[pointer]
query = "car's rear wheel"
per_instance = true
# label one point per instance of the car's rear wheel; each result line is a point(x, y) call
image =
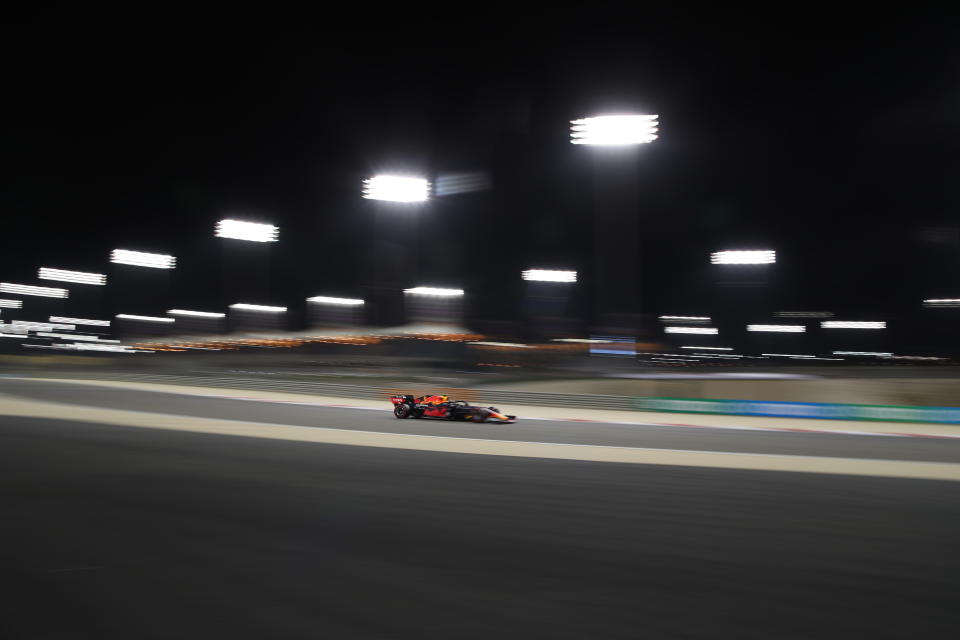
point(401, 411)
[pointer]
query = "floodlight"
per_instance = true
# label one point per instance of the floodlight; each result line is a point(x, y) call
point(40, 326)
point(720, 355)
point(549, 275)
point(73, 336)
point(95, 323)
point(257, 307)
point(515, 345)
point(434, 291)
point(28, 290)
point(127, 316)
point(879, 354)
point(777, 328)
point(685, 318)
point(251, 231)
point(743, 257)
point(347, 302)
point(396, 189)
point(702, 330)
point(11, 304)
point(199, 314)
point(787, 355)
point(78, 277)
point(844, 324)
point(711, 348)
point(942, 302)
point(141, 259)
point(803, 314)
point(614, 130)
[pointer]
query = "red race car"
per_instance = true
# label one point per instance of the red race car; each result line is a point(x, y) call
point(408, 406)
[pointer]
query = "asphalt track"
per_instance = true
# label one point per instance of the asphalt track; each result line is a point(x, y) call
point(587, 433)
point(149, 533)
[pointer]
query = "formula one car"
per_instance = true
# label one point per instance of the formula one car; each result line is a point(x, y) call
point(408, 406)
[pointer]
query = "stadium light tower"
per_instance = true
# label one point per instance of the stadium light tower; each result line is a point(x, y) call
point(245, 265)
point(434, 304)
point(616, 212)
point(389, 258)
point(546, 301)
point(334, 311)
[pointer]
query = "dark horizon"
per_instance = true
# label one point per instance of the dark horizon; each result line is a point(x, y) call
point(833, 143)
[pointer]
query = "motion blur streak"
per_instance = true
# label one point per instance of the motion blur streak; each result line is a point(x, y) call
point(701, 330)
point(42, 326)
point(396, 189)
point(198, 314)
point(250, 231)
point(777, 328)
point(490, 447)
point(78, 277)
point(242, 306)
point(30, 290)
point(86, 321)
point(434, 291)
point(11, 304)
point(862, 353)
point(128, 316)
point(73, 336)
point(803, 314)
point(115, 348)
point(840, 324)
point(142, 259)
point(550, 275)
point(614, 130)
point(455, 183)
point(709, 348)
point(743, 257)
point(339, 301)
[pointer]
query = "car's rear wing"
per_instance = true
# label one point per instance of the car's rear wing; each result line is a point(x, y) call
point(399, 399)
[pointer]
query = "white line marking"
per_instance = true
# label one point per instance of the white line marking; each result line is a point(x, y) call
point(478, 446)
point(202, 392)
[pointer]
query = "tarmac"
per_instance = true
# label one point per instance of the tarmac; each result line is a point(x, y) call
point(892, 429)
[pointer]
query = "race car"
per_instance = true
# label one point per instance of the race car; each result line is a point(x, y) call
point(438, 406)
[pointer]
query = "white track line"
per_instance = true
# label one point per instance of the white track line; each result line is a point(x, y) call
point(12, 406)
point(214, 392)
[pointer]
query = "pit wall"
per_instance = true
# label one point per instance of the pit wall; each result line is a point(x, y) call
point(823, 411)
point(908, 392)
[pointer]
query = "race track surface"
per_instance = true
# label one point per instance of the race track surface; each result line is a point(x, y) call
point(150, 533)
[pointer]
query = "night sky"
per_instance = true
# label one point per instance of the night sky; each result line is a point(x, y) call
point(832, 139)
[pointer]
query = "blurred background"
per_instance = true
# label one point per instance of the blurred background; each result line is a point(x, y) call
point(791, 208)
point(709, 257)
